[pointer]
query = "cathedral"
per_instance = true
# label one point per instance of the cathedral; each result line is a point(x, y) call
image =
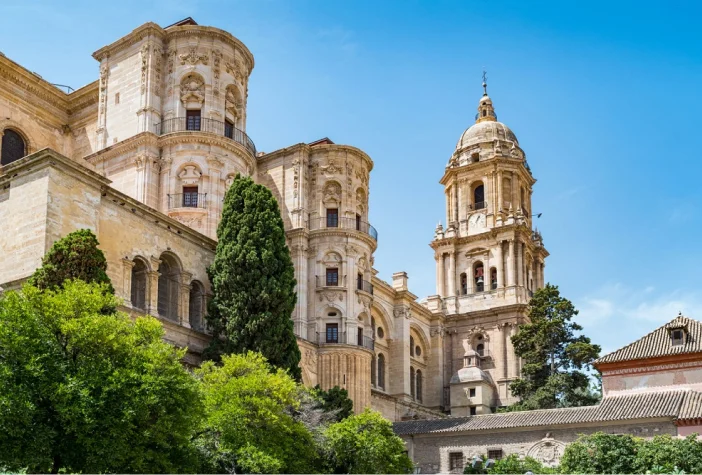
point(143, 156)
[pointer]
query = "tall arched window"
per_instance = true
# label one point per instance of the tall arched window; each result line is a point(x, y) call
point(197, 300)
point(381, 371)
point(412, 383)
point(493, 278)
point(479, 277)
point(373, 368)
point(419, 385)
point(138, 291)
point(479, 197)
point(13, 147)
point(464, 283)
point(480, 349)
point(168, 288)
point(411, 346)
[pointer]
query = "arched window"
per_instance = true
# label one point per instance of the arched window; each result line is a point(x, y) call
point(411, 346)
point(373, 368)
point(493, 278)
point(381, 371)
point(196, 305)
point(13, 147)
point(138, 291)
point(479, 197)
point(464, 283)
point(479, 277)
point(480, 349)
point(412, 383)
point(168, 288)
point(419, 385)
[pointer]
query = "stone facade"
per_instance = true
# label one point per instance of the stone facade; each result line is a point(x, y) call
point(143, 156)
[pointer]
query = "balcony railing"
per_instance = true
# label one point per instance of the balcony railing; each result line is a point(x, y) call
point(340, 338)
point(344, 223)
point(365, 286)
point(187, 200)
point(322, 281)
point(182, 124)
point(477, 205)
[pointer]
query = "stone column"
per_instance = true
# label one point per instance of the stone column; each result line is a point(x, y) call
point(500, 265)
point(440, 274)
point(455, 201)
point(184, 301)
point(499, 190)
point(516, 370)
point(152, 282)
point(452, 274)
point(520, 265)
point(448, 207)
point(511, 357)
point(510, 264)
point(460, 214)
point(126, 291)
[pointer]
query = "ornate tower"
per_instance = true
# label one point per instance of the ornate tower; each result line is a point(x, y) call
point(489, 261)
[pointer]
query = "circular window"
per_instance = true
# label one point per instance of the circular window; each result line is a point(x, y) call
point(418, 351)
point(381, 333)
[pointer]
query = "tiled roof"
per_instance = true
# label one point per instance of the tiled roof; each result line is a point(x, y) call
point(641, 405)
point(659, 343)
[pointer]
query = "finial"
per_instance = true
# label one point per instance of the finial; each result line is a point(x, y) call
point(484, 83)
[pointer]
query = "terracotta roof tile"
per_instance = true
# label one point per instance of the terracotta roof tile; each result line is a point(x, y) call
point(659, 343)
point(640, 405)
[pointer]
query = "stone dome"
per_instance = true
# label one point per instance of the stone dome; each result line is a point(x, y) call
point(486, 131)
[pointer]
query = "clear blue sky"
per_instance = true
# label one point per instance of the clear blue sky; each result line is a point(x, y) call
point(605, 98)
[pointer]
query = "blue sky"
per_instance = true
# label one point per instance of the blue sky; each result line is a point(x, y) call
point(603, 96)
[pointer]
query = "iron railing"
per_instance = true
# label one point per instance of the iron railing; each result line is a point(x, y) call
point(364, 285)
point(478, 205)
point(342, 338)
point(187, 200)
point(187, 124)
point(321, 281)
point(344, 223)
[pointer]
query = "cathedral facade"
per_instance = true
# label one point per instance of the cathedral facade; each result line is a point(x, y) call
point(143, 156)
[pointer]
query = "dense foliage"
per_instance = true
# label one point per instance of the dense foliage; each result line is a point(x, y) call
point(336, 401)
point(555, 358)
point(365, 443)
point(75, 256)
point(253, 280)
point(85, 391)
point(248, 421)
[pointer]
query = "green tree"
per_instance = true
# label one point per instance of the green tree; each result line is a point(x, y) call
point(601, 453)
point(75, 256)
point(253, 280)
point(555, 359)
point(85, 391)
point(514, 464)
point(365, 443)
point(249, 426)
point(666, 454)
point(336, 400)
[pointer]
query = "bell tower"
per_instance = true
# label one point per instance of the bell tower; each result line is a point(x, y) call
point(489, 259)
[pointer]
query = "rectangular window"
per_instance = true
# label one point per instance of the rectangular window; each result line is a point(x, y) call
point(473, 411)
point(495, 454)
point(332, 218)
point(358, 222)
point(359, 282)
point(471, 392)
point(192, 120)
point(228, 129)
point(190, 196)
point(456, 461)
point(678, 337)
point(332, 333)
point(332, 277)
point(360, 337)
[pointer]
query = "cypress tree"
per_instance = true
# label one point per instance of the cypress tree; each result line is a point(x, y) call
point(75, 256)
point(253, 280)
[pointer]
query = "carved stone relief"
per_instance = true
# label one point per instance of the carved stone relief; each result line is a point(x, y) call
point(192, 89)
point(192, 57)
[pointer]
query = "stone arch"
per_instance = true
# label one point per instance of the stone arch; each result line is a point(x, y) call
point(383, 320)
point(169, 282)
point(421, 339)
point(477, 193)
point(14, 144)
point(139, 292)
point(234, 105)
point(192, 90)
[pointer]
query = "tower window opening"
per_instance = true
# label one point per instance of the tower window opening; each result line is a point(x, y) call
point(228, 129)
point(493, 278)
point(479, 197)
point(464, 283)
point(480, 349)
point(192, 119)
point(332, 218)
point(332, 333)
point(478, 275)
point(332, 277)
point(190, 196)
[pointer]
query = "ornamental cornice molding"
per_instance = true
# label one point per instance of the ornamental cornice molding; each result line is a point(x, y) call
point(84, 97)
point(212, 33)
point(211, 139)
point(345, 232)
point(148, 139)
point(33, 84)
point(646, 369)
point(138, 34)
point(328, 148)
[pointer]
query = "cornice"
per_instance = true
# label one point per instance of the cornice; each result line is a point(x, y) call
point(84, 97)
point(509, 231)
point(283, 151)
point(208, 138)
point(130, 39)
point(497, 163)
point(321, 149)
point(372, 243)
point(33, 84)
point(212, 32)
point(127, 145)
point(643, 365)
